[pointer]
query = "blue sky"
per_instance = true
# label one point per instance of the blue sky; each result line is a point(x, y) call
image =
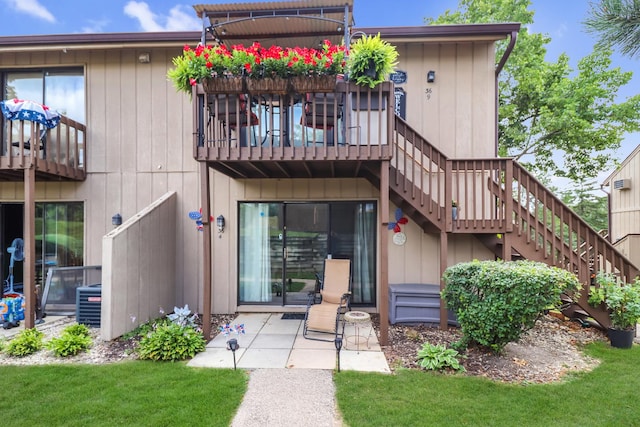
point(560, 19)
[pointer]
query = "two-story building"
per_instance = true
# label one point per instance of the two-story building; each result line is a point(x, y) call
point(294, 177)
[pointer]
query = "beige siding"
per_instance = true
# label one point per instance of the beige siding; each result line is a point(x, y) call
point(456, 113)
point(138, 269)
point(417, 261)
point(139, 146)
point(629, 246)
point(625, 203)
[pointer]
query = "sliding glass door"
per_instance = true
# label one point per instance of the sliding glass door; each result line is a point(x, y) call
point(282, 248)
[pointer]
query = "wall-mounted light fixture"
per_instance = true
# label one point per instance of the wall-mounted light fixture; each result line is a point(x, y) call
point(220, 223)
point(144, 58)
point(116, 220)
point(431, 76)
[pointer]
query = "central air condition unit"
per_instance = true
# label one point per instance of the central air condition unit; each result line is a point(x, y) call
point(88, 305)
point(622, 184)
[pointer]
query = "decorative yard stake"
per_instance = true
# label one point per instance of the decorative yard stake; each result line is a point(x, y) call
point(232, 344)
point(197, 217)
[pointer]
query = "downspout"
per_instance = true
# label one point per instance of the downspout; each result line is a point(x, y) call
point(503, 60)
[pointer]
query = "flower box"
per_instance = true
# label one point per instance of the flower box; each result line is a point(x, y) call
point(274, 85)
point(308, 84)
point(223, 85)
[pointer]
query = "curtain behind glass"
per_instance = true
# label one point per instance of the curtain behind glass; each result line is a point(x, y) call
point(255, 260)
point(364, 253)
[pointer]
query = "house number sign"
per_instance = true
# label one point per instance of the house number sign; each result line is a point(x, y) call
point(398, 77)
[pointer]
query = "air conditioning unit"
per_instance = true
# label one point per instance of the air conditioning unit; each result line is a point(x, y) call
point(88, 305)
point(622, 184)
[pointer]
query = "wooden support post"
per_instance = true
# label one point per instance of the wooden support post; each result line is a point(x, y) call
point(444, 249)
point(384, 253)
point(29, 264)
point(206, 250)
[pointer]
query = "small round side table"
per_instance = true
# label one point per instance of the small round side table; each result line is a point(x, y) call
point(357, 319)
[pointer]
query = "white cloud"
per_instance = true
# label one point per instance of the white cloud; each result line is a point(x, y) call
point(179, 18)
point(33, 8)
point(183, 20)
point(95, 26)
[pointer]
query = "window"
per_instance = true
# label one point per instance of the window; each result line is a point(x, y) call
point(59, 235)
point(61, 89)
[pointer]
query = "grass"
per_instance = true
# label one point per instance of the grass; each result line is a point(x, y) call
point(130, 393)
point(607, 396)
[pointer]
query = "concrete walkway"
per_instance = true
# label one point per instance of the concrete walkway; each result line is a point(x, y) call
point(289, 398)
point(290, 377)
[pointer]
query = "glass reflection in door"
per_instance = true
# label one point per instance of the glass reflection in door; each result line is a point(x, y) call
point(306, 238)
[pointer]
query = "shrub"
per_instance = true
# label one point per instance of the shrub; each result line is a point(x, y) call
point(622, 299)
point(77, 329)
point(73, 340)
point(496, 301)
point(25, 343)
point(437, 357)
point(146, 328)
point(183, 317)
point(171, 342)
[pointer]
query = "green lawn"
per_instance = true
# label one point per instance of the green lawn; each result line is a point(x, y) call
point(171, 394)
point(124, 394)
point(607, 396)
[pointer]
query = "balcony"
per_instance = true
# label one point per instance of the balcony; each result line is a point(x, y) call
point(58, 153)
point(294, 135)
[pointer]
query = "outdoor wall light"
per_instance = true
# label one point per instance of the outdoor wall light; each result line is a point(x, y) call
point(144, 58)
point(233, 345)
point(116, 219)
point(431, 76)
point(220, 223)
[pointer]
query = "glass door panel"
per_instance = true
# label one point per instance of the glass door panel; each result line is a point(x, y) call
point(261, 253)
point(306, 239)
point(282, 248)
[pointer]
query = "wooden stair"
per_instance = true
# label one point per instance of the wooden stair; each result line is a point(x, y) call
point(503, 206)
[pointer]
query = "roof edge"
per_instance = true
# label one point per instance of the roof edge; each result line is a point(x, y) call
point(102, 38)
point(449, 30)
point(423, 31)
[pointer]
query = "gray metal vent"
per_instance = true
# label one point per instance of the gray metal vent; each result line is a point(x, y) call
point(88, 305)
point(622, 184)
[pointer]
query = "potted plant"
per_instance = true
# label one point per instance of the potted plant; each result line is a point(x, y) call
point(371, 60)
point(623, 302)
point(222, 70)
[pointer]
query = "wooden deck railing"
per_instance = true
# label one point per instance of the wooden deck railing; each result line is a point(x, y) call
point(498, 196)
point(350, 123)
point(55, 153)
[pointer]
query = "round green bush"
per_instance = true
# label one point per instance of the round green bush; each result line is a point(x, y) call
point(496, 301)
point(171, 342)
point(25, 343)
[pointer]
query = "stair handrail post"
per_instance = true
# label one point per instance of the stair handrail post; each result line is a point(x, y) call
point(508, 182)
point(448, 195)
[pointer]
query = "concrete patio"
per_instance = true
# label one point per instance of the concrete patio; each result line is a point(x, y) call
point(272, 342)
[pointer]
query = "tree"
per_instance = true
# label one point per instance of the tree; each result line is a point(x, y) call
point(617, 23)
point(593, 209)
point(554, 120)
